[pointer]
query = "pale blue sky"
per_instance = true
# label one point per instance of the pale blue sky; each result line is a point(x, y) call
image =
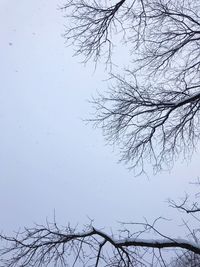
point(49, 158)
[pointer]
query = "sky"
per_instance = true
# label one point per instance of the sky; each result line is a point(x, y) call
point(51, 161)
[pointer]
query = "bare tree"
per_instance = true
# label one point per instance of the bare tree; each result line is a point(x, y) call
point(136, 244)
point(151, 111)
point(50, 244)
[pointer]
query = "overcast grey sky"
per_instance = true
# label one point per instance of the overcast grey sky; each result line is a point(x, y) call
point(49, 158)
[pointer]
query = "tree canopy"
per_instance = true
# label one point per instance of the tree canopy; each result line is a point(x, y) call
point(151, 111)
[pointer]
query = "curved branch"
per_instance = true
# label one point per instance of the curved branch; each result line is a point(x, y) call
point(41, 245)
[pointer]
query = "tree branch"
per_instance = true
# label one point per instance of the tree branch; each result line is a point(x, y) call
point(44, 245)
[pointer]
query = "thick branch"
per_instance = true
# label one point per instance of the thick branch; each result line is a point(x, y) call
point(46, 245)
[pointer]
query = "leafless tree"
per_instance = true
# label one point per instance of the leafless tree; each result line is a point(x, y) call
point(136, 244)
point(50, 244)
point(151, 111)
